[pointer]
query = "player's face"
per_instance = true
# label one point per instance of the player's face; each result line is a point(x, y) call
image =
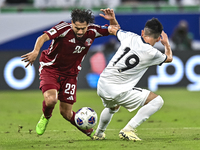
point(79, 28)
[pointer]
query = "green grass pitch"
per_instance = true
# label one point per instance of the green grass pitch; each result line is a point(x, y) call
point(175, 127)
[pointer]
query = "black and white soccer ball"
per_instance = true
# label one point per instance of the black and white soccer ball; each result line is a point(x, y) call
point(86, 118)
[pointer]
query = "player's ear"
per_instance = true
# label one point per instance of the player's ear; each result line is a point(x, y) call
point(71, 21)
point(142, 33)
point(158, 39)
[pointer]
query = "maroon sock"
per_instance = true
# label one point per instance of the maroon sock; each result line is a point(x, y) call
point(87, 132)
point(47, 110)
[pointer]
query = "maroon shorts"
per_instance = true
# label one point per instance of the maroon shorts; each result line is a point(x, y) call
point(66, 86)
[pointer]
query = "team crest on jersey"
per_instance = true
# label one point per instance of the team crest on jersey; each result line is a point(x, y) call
point(88, 42)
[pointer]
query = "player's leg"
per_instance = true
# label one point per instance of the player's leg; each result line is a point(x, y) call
point(111, 107)
point(105, 118)
point(49, 86)
point(69, 115)
point(151, 104)
point(50, 100)
point(67, 97)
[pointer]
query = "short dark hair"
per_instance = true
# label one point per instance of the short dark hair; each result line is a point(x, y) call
point(82, 15)
point(153, 28)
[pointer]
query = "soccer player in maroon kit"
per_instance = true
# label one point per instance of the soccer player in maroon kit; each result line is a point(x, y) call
point(61, 62)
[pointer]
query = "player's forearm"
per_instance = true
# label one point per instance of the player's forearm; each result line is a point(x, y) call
point(39, 42)
point(38, 45)
point(168, 52)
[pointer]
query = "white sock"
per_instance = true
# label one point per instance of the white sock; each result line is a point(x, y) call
point(144, 113)
point(105, 118)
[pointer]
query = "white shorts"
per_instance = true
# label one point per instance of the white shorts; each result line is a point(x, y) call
point(130, 100)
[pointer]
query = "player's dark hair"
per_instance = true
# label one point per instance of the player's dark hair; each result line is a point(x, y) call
point(153, 28)
point(82, 15)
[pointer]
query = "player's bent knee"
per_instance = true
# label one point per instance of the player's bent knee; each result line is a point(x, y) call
point(51, 100)
point(51, 97)
point(114, 110)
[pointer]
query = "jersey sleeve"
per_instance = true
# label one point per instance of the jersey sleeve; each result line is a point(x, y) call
point(58, 30)
point(159, 58)
point(99, 30)
point(121, 35)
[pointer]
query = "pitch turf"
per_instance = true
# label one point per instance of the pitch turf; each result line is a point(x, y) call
point(175, 127)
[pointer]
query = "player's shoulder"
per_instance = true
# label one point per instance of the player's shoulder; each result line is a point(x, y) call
point(122, 35)
point(145, 46)
point(127, 32)
point(62, 25)
point(141, 46)
point(95, 26)
point(92, 25)
point(150, 50)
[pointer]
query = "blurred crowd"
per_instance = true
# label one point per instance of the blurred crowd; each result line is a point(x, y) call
point(184, 2)
point(181, 38)
point(92, 3)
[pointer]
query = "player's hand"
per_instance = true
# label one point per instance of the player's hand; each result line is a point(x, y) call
point(164, 39)
point(108, 14)
point(29, 57)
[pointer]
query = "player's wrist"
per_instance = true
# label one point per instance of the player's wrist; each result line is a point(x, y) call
point(36, 51)
point(113, 22)
point(167, 45)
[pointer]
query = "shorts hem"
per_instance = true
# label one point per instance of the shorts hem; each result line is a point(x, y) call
point(47, 87)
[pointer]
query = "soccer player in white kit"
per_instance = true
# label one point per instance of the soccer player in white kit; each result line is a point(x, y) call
point(116, 85)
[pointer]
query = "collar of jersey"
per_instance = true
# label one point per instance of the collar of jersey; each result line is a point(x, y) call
point(143, 40)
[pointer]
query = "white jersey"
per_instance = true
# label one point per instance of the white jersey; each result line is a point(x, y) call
point(128, 65)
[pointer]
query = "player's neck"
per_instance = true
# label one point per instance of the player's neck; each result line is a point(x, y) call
point(149, 40)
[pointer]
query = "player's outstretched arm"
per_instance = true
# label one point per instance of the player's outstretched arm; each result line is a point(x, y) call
point(30, 57)
point(109, 15)
point(165, 41)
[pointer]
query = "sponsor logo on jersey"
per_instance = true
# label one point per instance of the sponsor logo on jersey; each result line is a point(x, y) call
point(88, 42)
point(72, 40)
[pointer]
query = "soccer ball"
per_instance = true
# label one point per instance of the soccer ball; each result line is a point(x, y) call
point(86, 118)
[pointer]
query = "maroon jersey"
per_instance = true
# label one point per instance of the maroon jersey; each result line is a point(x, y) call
point(66, 52)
